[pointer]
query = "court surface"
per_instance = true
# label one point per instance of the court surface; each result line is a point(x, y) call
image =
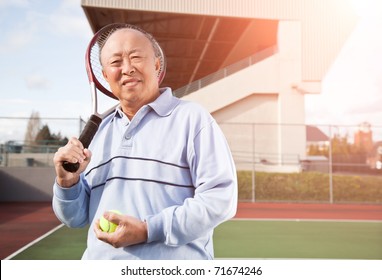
point(259, 230)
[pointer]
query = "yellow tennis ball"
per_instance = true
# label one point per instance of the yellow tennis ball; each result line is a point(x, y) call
point(107, 226)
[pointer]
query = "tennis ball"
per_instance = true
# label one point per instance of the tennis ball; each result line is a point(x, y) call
point(107, 226)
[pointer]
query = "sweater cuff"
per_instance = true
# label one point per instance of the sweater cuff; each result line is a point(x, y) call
point(66, 193)
point(155, 228)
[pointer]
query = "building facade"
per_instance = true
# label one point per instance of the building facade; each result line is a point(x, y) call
point(248, 62)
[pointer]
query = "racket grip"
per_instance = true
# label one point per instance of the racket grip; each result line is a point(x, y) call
point(90, 130)
point(85, 138)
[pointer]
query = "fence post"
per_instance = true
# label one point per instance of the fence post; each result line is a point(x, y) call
point(330, 166)
point(253, 164)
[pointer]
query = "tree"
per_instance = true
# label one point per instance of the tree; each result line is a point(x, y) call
point(318, 150)
point(339, 146)
point(46, 138)
point(33, 128)
point(43, 137)
point(40, 135)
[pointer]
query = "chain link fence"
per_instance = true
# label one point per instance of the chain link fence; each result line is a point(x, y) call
point(17, 151)
point(310, 163)
point(275, 162)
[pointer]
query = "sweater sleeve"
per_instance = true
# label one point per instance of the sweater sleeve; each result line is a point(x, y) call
point(215, 199)
point(71, 204)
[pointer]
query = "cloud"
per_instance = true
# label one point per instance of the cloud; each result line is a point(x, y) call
point(368, 108)
point(69, 19)
point(37, 82)
point(70, 25)
point(17, 37)
point(25, 23)
point(14, 3)
point(13, 101)
point(20, 28)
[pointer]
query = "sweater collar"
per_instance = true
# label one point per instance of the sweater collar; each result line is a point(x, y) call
point(164, 105)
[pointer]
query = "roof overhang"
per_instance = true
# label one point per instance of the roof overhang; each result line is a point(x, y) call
point(195, 45)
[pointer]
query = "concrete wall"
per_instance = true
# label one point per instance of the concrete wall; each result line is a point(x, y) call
point(263, 94)
point(27, 159)
point(26, 183)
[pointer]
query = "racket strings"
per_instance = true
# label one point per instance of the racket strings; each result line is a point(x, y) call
point(96, 67)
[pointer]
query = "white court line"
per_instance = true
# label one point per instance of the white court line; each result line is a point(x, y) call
point(34, 242)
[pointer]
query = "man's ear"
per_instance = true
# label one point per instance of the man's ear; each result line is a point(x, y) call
point(104, 74)
point(157, 65)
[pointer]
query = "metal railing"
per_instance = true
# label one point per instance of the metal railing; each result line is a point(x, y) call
point(224, 72)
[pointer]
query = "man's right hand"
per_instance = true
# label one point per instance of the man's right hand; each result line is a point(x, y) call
point(72, 152)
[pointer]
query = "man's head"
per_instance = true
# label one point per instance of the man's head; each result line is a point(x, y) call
point(131, 65)
point(110, 29)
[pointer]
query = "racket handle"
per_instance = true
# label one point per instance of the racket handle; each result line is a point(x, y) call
point(85, 138)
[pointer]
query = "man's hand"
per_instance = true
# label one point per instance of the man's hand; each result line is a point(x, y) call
point(72, 152)
point(129, 231)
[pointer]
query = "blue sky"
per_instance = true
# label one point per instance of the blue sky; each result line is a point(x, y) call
point(42, 47)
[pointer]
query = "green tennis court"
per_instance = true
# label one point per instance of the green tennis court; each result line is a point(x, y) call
point(299, 239)
point(250, 239)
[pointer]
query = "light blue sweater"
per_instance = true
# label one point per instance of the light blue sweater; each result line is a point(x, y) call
point(170, 166)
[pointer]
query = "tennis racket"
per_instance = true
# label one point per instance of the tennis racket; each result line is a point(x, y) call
point(97, 81)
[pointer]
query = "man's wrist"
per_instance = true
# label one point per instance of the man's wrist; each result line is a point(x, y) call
point(65, 183)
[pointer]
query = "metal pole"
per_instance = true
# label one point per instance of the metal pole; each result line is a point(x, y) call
point(253, 164)
point(330, 166)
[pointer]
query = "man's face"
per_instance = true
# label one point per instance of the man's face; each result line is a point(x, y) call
point(130, 67)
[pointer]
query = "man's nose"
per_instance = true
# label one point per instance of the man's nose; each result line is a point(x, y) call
point(127, 67)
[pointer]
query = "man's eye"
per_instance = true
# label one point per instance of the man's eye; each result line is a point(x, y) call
point(115, 62)
point(135, 57)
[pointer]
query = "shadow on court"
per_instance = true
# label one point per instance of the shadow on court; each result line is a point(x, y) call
point(23, 222)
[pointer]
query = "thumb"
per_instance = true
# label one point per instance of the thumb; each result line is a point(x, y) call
point(85, 163)
point(113, 216)
point(88, 154)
